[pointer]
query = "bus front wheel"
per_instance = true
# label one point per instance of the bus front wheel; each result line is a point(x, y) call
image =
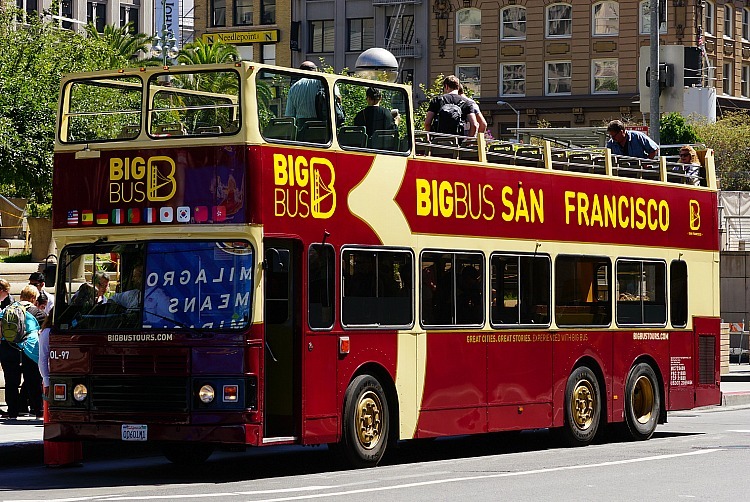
point(365, 422)
point(583, 407)
point(642, 402)
point(187, 453)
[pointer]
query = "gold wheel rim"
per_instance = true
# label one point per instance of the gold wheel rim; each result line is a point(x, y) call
point(642, 399)
point(583, 404)
point(368, 420)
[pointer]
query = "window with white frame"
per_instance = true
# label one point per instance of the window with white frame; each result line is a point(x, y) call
point(745, 24)
point(558, 77)
point(96, 14)
point(559, 20)
point(727, 78)
point(728, 21)
point(513, 79)
point(709, 18)
point(605, 18)
point(129, 14)
point(218, 12)
point(469, 25)
point(604, 76)
point(469, 75)
point(745, 83)
point(645, 19)
point(513, 23)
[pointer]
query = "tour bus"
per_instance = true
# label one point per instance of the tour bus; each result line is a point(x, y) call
point(235, 271)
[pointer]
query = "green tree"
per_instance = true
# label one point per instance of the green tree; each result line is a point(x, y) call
point(674, 129)
point(125, 45)
point(33, 58)
point(199, 52)
point(729, 137)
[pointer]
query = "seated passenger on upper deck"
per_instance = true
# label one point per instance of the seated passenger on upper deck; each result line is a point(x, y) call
point(300, 102)
point(374, 117)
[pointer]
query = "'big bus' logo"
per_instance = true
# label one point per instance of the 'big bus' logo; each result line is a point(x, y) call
point(139, 179)
point(304, 187)
point(695, 215)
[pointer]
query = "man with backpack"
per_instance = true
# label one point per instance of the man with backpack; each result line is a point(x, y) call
point(449, 112)
point(19, 327)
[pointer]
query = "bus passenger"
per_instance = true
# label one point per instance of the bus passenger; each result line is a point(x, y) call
point(439, 117)
point(630, 143)
point(374, 117)
point(300, 103)
point(480, 118)
point(131, 298)
point(691, 165)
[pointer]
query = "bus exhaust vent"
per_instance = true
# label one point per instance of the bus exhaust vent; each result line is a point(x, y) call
point(706, 355)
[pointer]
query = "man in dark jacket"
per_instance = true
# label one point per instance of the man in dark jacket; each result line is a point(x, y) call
point(374, 117)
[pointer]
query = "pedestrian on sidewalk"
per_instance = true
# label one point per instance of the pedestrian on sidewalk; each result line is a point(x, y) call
point(37, 279)
point(5, 297)
point(16, 363)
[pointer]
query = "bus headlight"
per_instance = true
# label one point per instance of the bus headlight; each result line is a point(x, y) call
point(80, 392)
point(206, 394)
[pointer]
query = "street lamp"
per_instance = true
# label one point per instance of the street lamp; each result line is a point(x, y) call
point(165, 43)
point(375, 63)
point(518, 118)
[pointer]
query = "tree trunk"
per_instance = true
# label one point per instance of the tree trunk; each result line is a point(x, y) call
point(42, 244)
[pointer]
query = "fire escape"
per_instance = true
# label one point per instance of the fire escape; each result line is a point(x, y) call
point(399, 35)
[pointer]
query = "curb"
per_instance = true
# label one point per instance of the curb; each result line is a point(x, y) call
point(735, 398)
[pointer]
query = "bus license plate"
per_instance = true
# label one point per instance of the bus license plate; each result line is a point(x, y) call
point(131, 432)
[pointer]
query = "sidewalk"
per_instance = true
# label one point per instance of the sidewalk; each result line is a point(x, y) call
point(24, 435)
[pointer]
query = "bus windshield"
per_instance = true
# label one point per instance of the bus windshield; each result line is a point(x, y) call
point(156, 285)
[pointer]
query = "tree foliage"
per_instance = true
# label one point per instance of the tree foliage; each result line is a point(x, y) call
point(199, 52)
point(125, 45)
point(674, 129)
point(33, 58)
point(729, 137)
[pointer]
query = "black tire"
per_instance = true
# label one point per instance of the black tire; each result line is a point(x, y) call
point(366, 424)
point(187, 453)
point(583, 407)
point(642, 402)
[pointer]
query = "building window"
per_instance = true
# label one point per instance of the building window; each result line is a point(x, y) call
point(129, 14)
point(728, 21)
point(604, 76)
point(605, 18)
point(513, 23)
point(268, 12)
point(469, 75)
point(28, 6)
point(218, 13)
point(243, 12)
point(469, 25)
point(727, 78)
point(400, 31)
point(559, 20)
point(361, 34)
point(513, 79)
point(96, 14)
point(321, 35)
point(709, 17)
point(269, 53)
point(745, 24)
point(558, 77)
point(65, 9)
point(745, 87)
point(645, 16)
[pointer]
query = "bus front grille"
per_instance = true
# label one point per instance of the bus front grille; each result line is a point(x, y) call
point(142, 394)
point(157, 363)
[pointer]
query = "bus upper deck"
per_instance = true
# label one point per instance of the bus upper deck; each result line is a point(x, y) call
point(249, 103)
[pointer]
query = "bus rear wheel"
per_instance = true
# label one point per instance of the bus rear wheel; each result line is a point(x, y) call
point(366, 422)
point(187, 453)
point(642, 402)
point(583, 407)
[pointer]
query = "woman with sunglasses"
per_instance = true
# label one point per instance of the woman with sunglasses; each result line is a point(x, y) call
point(691, 166)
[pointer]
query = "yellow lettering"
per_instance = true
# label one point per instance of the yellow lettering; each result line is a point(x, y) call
point(279, 170)
point(504, 194)
point(639, 203)
point(423, 197)
point(583, 207)
point(446, 199)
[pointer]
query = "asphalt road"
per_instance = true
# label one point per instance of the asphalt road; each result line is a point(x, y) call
point(698, 455)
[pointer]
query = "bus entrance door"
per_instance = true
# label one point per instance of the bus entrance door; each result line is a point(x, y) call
point(281, 319)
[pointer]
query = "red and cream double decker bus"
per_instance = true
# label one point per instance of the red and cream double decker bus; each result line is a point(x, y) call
point(288, 276)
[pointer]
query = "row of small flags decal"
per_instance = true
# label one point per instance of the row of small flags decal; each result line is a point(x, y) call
point(136, 215)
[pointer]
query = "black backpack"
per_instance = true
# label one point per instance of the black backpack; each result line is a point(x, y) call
point(450, 118)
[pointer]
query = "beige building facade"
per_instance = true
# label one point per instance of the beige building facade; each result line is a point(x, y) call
point(576, 63)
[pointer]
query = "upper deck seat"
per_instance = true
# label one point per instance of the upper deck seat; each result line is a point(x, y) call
point(501, 153)
point(384, 139)
point(281, 128)
point(354, 136)
point(313, 131)
point(530, 156)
